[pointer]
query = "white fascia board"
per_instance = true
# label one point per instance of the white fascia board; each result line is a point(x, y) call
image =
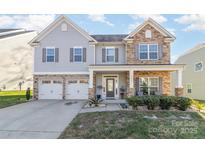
point(54, 73)
point(138, 68)
point(55, 23)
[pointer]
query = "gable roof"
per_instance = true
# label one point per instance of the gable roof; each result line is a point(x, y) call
point(110, 38)
point(192, 50)
point(60, 19)
point(15, 34)
point(154, 24)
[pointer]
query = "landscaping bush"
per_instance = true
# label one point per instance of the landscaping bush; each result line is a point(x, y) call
point(166, 102)
point(183, 103)
point(134, 101)
point(151, 102)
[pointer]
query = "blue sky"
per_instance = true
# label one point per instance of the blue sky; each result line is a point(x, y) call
point(188, 29)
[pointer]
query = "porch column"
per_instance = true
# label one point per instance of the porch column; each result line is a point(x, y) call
point(179, 87)
point(91, 89)
point(131, 89)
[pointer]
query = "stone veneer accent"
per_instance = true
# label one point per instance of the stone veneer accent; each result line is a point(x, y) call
point(64, 78)
point(165, 75)
point(179, 92)
point(92, 91)
point(139, 37)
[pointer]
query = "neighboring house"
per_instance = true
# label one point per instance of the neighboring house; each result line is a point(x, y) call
point(193, 74)
point(71, 64)
point(16, 59)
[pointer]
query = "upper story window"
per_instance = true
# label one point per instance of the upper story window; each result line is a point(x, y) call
point(110, 55)
point(148, 34)
point(78, 54)
point(198, 67)
point(148, 51)
point(64, 27)
point(50, 54)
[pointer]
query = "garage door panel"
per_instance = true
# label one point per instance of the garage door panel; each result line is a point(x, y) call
point(77, 91)
point(50, 91)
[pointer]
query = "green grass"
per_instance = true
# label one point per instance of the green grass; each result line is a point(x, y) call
point(132, 124)
point(9, 98)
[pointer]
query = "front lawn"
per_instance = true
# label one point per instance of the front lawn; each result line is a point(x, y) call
point(9, 98)
point(135, 124)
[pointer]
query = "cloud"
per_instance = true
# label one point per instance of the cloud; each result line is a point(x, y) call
point(100, 18)
point(174, 58)
point(132, 27)
point(29, 22)
point(172, 31)
point(194, 22)
point(157, 17)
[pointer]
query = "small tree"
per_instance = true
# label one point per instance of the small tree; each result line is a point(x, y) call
point(28, 94)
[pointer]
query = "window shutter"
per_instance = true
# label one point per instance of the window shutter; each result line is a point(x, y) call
point(160, 51)
point(44, 55)
point(56, 54)
point(116, 55)
point(71, 54)
point(137, 51)
point(137, 85)
point(160, 85)
point(84, 54)
point(103, 55)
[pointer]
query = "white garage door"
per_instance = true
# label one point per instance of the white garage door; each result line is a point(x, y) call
point(50, 89)
point(77, 89)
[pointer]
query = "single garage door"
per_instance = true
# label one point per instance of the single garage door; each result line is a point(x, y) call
point(50, 89)
point(77, 89)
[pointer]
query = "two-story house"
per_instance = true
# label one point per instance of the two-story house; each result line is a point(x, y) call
point(71, 64)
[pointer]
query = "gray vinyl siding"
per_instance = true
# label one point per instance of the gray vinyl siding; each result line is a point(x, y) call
point(64, 41)
point(189, 76)
point(121, 53)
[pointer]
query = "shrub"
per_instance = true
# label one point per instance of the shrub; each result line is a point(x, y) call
point(151, 102)
point(197, 105)
point(166, 102)
point(183, 103)
point(94, 101)
point(134, 101)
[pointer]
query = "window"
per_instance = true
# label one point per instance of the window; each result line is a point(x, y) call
point(83, 81)
point(148, 34)
point(64, 27)
point(78, 54)
point(57, 82)
point(110, 55)
point(72, 81)
point(148, 51)
point(149, 85)
point(46, 82)
point(198, 67)
point(50, 54)
point(189, 88)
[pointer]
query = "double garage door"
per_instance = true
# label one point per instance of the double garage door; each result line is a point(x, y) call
point(53, 89)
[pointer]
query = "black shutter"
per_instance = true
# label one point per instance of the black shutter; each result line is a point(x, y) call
point(56, 54)
point(44, 55)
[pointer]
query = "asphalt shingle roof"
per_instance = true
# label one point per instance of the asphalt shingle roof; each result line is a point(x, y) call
point(109, 38)
point(7, 30)
point(14, 34)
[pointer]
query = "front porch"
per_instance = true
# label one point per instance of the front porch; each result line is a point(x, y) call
point(114, 82)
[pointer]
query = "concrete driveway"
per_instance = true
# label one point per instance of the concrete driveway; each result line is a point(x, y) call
point(37, 119)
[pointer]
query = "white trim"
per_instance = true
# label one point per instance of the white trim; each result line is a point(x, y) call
point(202, 66)
point(155, 25)
point(187, 88)
point(173, 67)
point(148, 52)
point(76, 47)
point(54, 54)
point(54, 24)
point(104, 93)
point(150, 77)
point(106, 50)
point(54, 73)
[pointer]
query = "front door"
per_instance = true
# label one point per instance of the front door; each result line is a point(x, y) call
point(110, 86)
